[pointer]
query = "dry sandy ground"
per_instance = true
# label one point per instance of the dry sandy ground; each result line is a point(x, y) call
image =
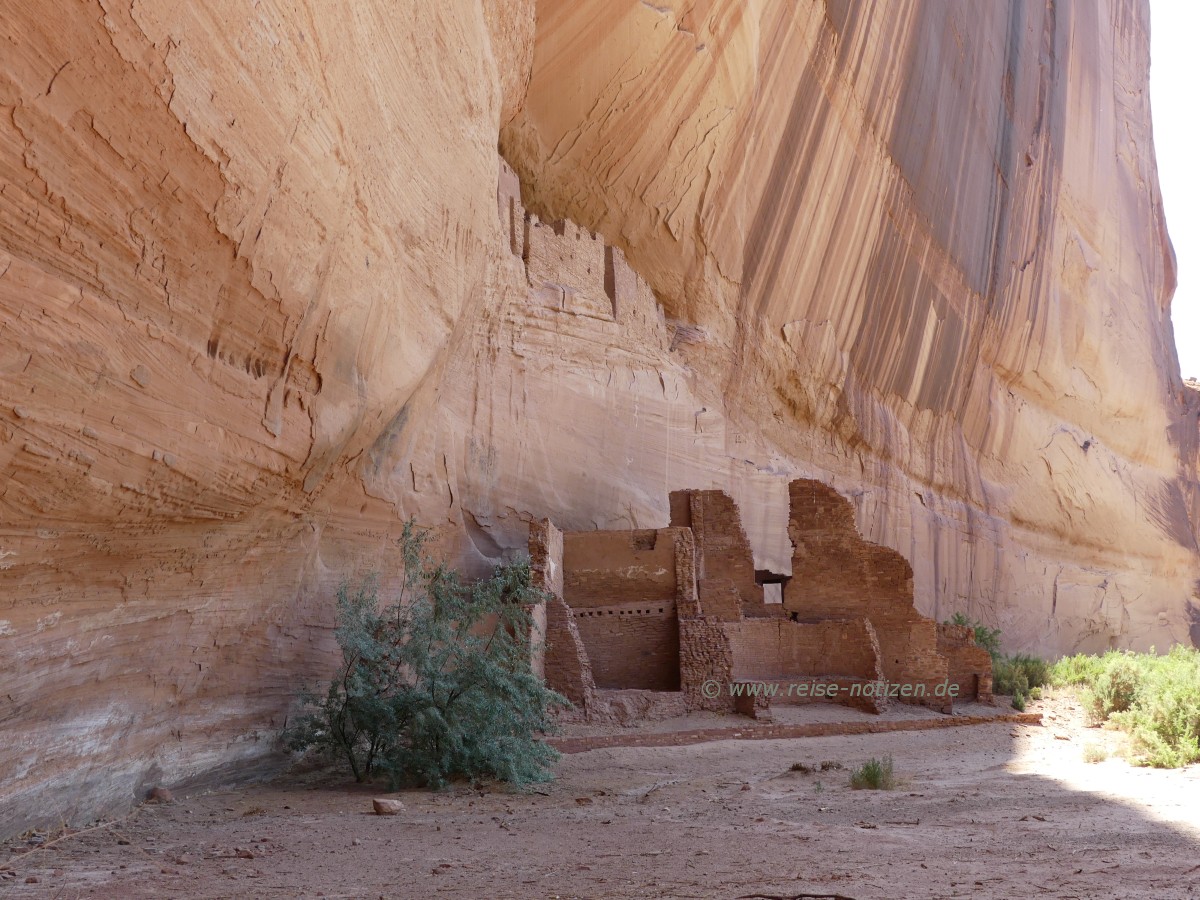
point(985, 811)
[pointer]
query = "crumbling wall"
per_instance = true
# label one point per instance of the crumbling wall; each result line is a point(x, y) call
point(724, 560)
point(970, 666)
point(774, 649)
point(837, 574)
point(565, 662)
point(608, 568)
point(621, 588)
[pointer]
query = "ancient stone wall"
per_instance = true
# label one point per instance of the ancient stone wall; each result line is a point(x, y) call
point(837, 574)
point(969, 665)
point(778, 649)
point(724, 559)
point(705, 657)
point(622, 591)
point(565, 663)
point(612, 568)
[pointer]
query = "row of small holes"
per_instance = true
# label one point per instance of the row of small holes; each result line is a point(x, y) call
point(619, 612)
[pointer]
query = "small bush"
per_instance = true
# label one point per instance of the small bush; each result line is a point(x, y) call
point(1116, 689)
point(438, 684)
point(1017, 676)
point(1155, 699)
point(987, 638)
point(875, 774)
point(1071, 671)
point(1094, 753)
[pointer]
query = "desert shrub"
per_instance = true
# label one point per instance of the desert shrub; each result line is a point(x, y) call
point(987, 638)
point(1116, 688)
point(438, 683)
point(1076, 670)
point(1094, 753)
point(1018, 676)
point(1154, 699)
point(1164, 718)
point(875, 774)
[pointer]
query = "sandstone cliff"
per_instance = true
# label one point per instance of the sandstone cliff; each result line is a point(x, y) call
point(266, 289)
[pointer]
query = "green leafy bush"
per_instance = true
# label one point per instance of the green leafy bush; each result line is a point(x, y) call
point(437, 684)
point(1018, 676)
point(1115, 689)
point(875, 774)
point(1155, 699)
point(987, 638)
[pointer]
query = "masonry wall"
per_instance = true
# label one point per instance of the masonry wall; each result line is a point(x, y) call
point(725, 578)
point(970, 666)
point(622, 590)
point(606, 568)
point(633, 645)
point(565, 663)
point(776, 649)
point(837, 574)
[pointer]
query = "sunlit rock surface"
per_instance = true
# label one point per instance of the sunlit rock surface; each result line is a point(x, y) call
point(267, 289)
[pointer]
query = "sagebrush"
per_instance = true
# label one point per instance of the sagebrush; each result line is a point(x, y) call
point(438, 683)
point(1019, 676)
point(1155, 699)
point(874, 774)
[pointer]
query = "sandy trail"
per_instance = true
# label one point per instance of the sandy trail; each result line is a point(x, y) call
point(986, 811)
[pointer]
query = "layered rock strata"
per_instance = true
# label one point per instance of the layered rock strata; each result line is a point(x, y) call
point(266, 291)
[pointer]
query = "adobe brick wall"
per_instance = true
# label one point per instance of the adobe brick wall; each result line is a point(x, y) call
point(704, 655)
point(622, 589)
point(603, 568)
point(778, 649)
point(969, 664)
point(782, 652)
point(837, 574)
point(632, 645)
point(724, 560)
point(565, 663)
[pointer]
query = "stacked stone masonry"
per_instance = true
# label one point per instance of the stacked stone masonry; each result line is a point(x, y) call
point(645, 622)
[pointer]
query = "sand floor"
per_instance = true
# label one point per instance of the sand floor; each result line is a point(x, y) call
point(1001, 810)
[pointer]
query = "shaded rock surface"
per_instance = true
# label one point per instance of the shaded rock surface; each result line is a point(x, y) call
point(266, 289)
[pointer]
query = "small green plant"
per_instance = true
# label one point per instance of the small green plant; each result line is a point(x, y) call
point(1094, 753)
point(875, 774)
point(987, 638)
point(1017, 676)
point(1154, 699)
point(818, 788)
point(437, 684)
point(1115, 689)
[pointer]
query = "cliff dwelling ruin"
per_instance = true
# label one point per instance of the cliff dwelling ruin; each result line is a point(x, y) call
point(653, 623)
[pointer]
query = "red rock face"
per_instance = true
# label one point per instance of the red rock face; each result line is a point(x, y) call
point(259, 303)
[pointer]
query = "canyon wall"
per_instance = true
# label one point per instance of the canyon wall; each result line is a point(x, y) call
point(267, 289)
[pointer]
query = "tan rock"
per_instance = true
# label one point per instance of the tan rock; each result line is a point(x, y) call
point(385, 806)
